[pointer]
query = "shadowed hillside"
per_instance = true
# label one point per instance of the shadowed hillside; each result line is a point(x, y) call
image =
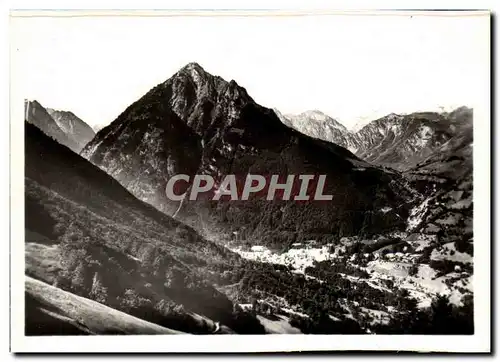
point(199, 123)
point(89, 236)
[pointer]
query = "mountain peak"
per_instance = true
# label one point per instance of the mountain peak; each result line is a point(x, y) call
point(317, 115)
point(193, 66)
point(193, 74)
point(194, 70)
point(32, 102)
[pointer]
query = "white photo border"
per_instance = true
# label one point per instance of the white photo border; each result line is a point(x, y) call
point(479, 342)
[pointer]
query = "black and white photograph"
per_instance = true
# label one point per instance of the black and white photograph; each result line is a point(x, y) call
point(322, 177)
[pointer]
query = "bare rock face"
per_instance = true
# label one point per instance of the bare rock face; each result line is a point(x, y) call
point(402, 142)
point(319, 125)
point(199, 123)
point(76, 129)
point(396, 141)
point(445, 178)
point(63, 126)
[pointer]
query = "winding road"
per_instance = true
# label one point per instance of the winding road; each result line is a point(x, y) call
point(217, 327)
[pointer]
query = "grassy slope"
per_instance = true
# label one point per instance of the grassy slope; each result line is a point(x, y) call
point(89, 236)
point(278, 325)
point(50, 310)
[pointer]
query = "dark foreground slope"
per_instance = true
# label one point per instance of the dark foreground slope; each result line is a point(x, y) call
point(52, 311)
point(89, 236)
point(199, 123)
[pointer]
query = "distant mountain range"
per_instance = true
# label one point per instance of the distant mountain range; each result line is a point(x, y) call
point(64, 126)
point(396, 141)
point(434, 150)
point(196, 123)
point(445, 177)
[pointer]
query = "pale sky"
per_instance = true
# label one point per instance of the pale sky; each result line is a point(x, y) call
point(353, 68)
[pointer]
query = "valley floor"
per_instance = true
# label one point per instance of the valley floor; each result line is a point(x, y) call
point(389, 272)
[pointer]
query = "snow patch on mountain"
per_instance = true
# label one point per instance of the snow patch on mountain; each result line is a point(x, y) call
point(417, 214)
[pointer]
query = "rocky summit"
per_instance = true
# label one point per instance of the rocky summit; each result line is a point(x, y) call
point(396, 141)
point(197, 123)
point(73, 126)
point(63, 126)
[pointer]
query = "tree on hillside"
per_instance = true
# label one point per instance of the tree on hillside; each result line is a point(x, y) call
point(441, 315)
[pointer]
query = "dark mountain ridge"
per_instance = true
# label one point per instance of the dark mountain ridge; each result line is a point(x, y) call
point(87, 235)
point(198, 123)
